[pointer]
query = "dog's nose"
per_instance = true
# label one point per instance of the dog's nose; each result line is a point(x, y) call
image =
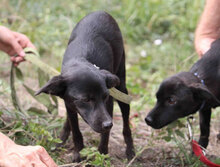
point(148, 120)
point(107, 125)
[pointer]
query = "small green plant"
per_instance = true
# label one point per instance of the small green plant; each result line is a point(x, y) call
point(177, 132)
point(217, 161)
point(93, 157)
point(32, 126)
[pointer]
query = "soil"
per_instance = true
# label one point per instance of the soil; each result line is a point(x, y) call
point(157, 153)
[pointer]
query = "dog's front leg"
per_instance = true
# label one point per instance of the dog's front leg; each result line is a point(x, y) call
point(103, 145)
point(204, 116)
point(77, 136)
point(64, 133)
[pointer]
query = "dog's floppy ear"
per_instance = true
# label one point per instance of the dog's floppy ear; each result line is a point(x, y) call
point(110, 79)
point(55, 86)
point(200, 91)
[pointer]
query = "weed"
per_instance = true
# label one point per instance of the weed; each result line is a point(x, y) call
point(93, 157)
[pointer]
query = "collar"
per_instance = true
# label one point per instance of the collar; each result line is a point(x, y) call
point(203, 83)
point(96, 66)
point(201, 80)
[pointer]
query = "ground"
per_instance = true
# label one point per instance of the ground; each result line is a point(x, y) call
point(155, 152)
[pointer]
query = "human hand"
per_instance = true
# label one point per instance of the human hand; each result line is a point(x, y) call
point(203, 44)
point(13, 43)
point(26, 156)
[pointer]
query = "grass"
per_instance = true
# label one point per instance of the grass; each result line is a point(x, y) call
point(49, 23)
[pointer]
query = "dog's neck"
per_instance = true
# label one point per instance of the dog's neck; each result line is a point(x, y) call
point(189, 78)
point(197, 75)
point(206, 71)
point(203, 83)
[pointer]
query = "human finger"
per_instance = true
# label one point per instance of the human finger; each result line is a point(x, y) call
point(11, 52)
point(15, 64)
point(17, 48)
point(18, 59)
point(24, 40)
point(203, 44)
point(38, 163)
point(45, 158)
point(29, 44)
point(14, 159)
point(13, 58)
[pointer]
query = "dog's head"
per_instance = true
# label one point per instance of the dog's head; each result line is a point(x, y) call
point(178, 96)
point(86, 91)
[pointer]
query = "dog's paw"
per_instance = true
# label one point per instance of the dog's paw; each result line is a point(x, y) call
point(130, 154)
point(58, 145)
point(218, 137)
point(103, 150)
point(203, 141)
point(76, 157)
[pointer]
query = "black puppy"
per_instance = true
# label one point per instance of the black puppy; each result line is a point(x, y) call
point(96, 42)
point(187, 92)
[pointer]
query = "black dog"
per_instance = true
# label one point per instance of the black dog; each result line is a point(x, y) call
point(187, 92)
point(96, 42)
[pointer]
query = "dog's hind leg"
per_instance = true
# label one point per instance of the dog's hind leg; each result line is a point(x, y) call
point(218, 136)
point(204, 118)
point(125, 109)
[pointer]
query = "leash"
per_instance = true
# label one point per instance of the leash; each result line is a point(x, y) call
point(197, 149)
point(33, 57)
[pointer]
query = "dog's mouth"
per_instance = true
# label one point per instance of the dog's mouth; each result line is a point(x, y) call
point(98, 129)
point(157, 124)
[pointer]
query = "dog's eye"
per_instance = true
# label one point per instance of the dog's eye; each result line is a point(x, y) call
point(86, 99)
point(171, 100)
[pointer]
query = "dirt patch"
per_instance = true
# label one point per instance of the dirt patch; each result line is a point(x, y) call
point(157, 153)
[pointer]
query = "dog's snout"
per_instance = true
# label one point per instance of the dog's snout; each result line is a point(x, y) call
point(107, 125)
point(148, 120)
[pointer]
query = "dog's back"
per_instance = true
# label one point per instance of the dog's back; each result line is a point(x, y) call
point(98, 39)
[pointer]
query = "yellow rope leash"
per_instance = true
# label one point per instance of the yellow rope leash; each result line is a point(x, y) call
point(33, 56)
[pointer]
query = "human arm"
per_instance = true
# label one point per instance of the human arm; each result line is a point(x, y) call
point(208, 29)
point(12, 154)
point(13, 43)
